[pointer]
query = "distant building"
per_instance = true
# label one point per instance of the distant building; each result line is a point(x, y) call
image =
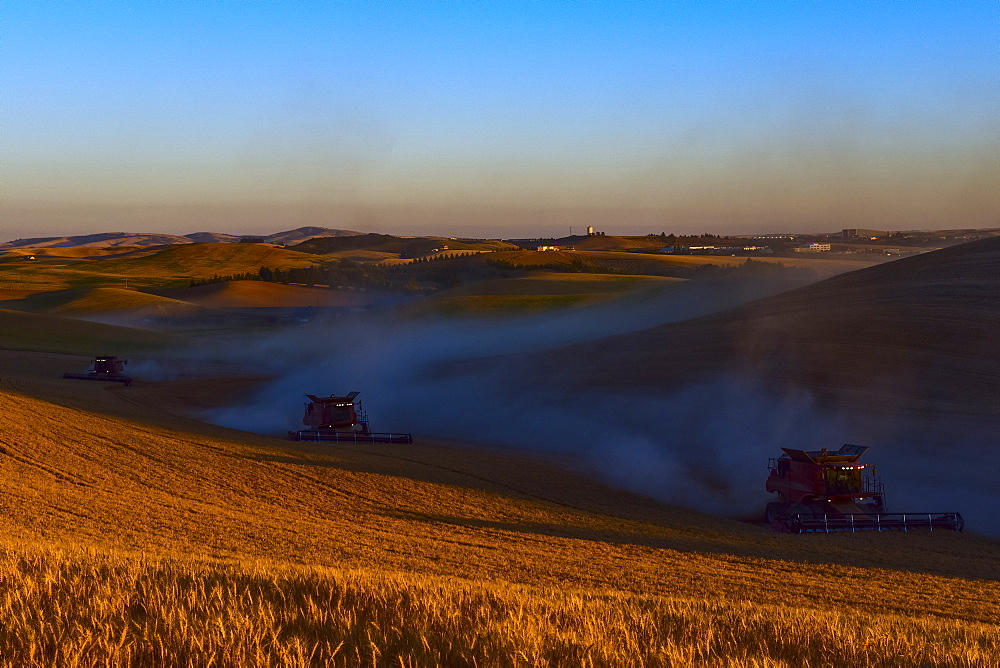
point(813, 248)
point(855, 233)
point(715, 250)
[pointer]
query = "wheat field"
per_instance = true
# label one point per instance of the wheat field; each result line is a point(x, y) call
point(135, 534)
point(82, 607)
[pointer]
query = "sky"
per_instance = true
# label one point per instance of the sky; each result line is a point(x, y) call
point(497, 119)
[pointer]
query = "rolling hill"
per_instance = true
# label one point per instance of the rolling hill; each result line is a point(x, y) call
point(387, 243)
point(103, 240)
point(918, 334)
point(60, 254)
point(96, 301)
point(155, 267)
point(115, 239)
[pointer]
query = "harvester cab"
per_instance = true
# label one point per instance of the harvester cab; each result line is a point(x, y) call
point(821, 491)
point(107, 368)
point(340, 419)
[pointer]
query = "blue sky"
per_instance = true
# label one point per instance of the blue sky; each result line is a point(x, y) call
point(498, 118)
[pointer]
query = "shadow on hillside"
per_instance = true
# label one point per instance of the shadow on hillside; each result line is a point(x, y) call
point(679, 543)
point(656, 525)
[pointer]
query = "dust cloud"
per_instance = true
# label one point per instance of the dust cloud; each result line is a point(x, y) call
point(705, 446)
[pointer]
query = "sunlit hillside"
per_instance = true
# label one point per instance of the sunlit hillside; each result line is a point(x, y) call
point(169, 266)
point(56, 254)
point(96, 301)
point(205, 261)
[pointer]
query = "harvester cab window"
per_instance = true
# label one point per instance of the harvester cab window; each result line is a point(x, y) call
point(782, 467)
point(343, 413)
point(841, 481)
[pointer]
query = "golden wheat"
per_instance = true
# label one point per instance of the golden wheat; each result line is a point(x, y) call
point(260, 554)
point(77, 607)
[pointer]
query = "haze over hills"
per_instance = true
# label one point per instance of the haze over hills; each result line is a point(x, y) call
point(901, 357)
point(155, 239)
point(920, 333)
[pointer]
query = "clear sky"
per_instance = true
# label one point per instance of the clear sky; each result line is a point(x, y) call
point(501, 118)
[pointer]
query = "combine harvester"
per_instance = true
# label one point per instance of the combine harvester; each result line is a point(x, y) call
point(340, 420)
point(826, 492)
point(104, 368)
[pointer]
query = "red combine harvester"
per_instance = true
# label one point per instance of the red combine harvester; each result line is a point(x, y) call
point(820, 491)
point(340, 420)
point(104, 368)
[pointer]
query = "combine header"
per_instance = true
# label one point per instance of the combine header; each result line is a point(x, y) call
point(820, 491)
point(340, 420)
point(104, 368)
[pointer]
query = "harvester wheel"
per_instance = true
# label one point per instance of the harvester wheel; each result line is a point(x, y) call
point(774, 511)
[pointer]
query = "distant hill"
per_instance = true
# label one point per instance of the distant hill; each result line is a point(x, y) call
point(409, 246)
point(380, 242)
point(105, 239)
point(94, 301)
point(202, 261)
point(301, 234)
point(918, 334)
point(211, 238)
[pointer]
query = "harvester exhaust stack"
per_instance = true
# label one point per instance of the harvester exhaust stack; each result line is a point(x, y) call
point(820, 491)
point(336, 419)
point(104, 368)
